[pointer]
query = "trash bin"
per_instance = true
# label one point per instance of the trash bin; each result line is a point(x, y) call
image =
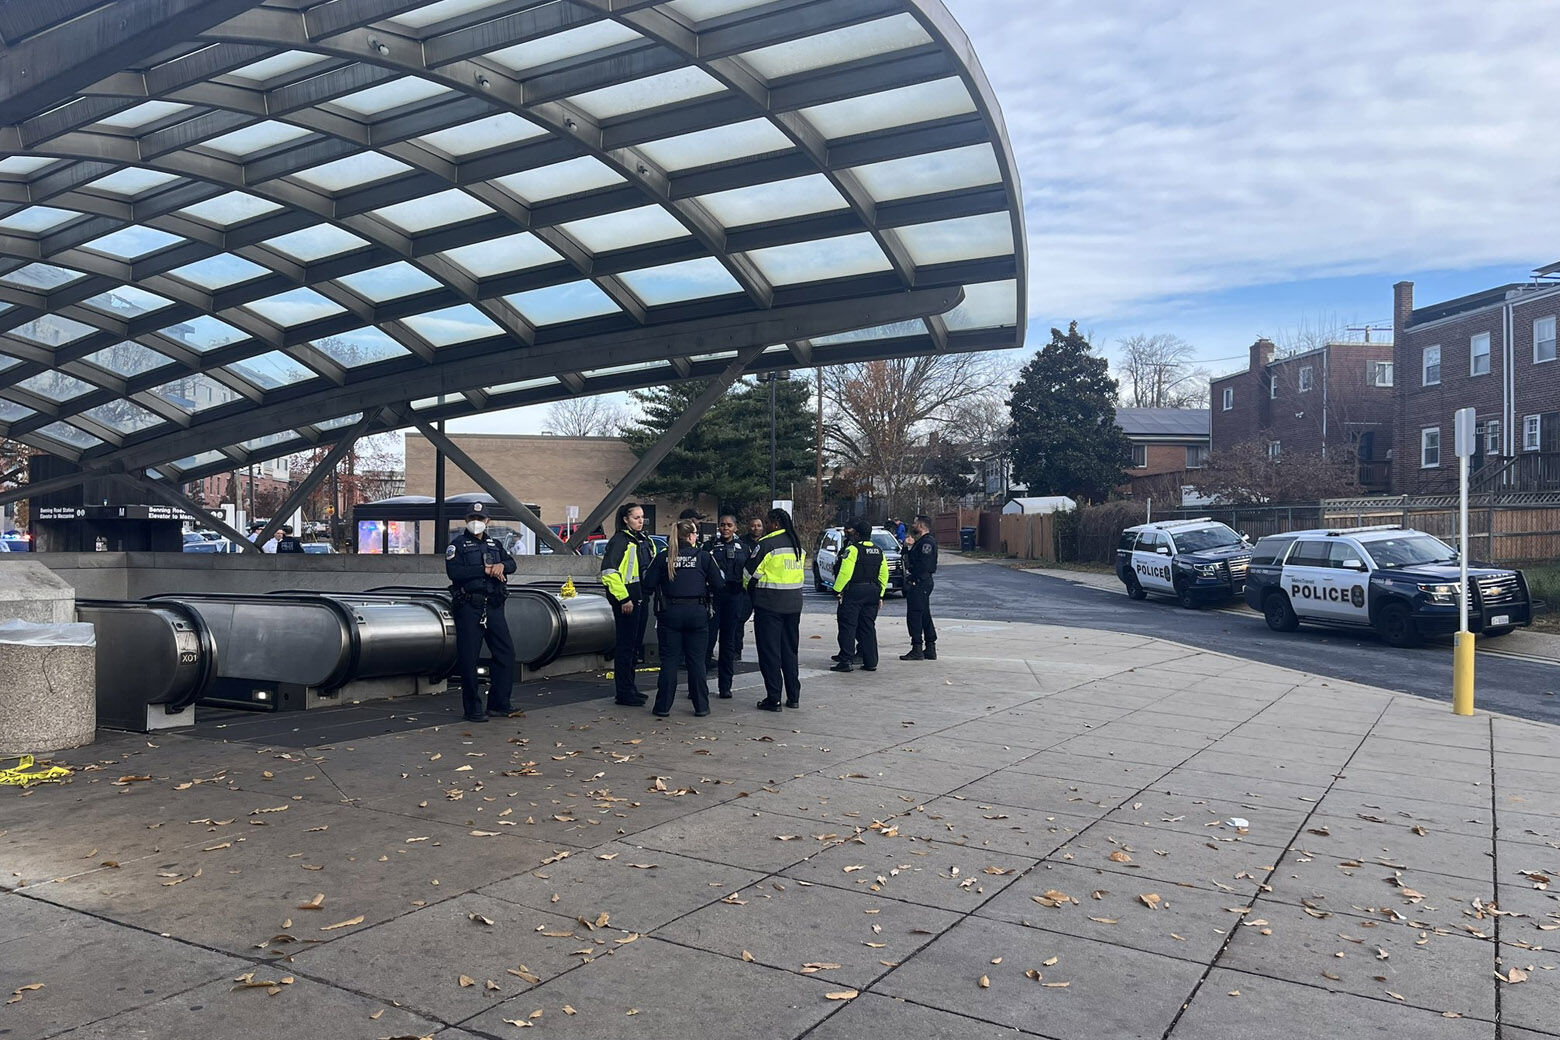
point(49, 698)
point(967, 539)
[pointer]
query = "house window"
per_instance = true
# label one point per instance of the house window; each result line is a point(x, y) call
point(1272, 388)
point(1544, 340)
point(1305, 379)
point(1275, 449)
point(1430, 367)
point(1381, 373)
point(1196, 456)
point(1492, 437)
point(1229, 398)
point(1479, 355)
point(1531, 427)
point(1430, 448)
point(1139, 456)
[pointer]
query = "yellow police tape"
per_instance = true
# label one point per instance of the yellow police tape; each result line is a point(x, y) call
point(23, 775)
point(613, 675)
point(568, 591)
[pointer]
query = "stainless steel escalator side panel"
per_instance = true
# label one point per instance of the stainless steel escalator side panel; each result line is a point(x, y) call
point(148, 655)
point(536, 624)
point(402, 638)
point(304, 641)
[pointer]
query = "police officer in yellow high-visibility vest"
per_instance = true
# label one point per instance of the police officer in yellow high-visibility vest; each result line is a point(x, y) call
point(629, 553)
point(861, 584)
point(775, 584)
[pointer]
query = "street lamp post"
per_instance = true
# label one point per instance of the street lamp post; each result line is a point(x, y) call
point(770, 378)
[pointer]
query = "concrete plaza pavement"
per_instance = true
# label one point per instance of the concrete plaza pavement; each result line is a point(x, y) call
point(1053, 832)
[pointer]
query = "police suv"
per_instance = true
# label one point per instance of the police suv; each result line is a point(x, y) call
point(826, 560)
point(1401, 582)
point(1196, 561)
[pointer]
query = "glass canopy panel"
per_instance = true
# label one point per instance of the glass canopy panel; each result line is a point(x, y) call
point(255, 138)
point(36, 219)
point(918, 103)
point(131, 181)
point(618, 370)
point(132, 243)
point(127, 359)
point(502, 255)
point(204, 333)
point(897, 330)
point(123, 417)
point(560, 179)
point(12, 412)
point(964, 238)
point(205, 458)
point(951, 170)
point(18, 165)
point(453, 325)
point(387, 97)
point(622, 230)
point(777, 200)
point(128, 302)
point(195, 392)
point(987, 305)
point(46, 277)
point(141, 115)
point(432, 211)
point(354, 171)
point(689, 280)
point(442, 11)
point(524, 384)
point(561, 46)
point(362, 347)
point(51, 330)
point(235, 207)
point(668, 88)
point(852, 43)
point(557, 304)
point(56, 386)
point(271, 370)
point(696, 11)
point(220, 271)
point(820, 260)
point(267, 70)
point(68, 434)
point(718, 144)
point(482, 135)
point(390, 282)
point(295, 307)
point(339, 422)
point(270, 440)
point(311, 244)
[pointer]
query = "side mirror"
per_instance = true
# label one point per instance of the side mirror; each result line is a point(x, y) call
point(1163, 550)
point(1354, 565)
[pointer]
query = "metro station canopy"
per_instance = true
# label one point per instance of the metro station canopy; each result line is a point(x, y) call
point(229, 228)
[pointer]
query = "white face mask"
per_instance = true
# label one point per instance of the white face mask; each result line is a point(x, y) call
point(476, 527)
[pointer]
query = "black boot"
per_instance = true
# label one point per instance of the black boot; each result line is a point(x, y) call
point(931, 652)
point(843, 666)
point(914, 655)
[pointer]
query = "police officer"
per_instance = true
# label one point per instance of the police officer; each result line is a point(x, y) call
point(479, 568)
point(920, 563)
point(629, 554)
point(755, 534)
point(683, 579)
point(732, 605)
point(775, 583)
point(861, 583)
point(287, 543)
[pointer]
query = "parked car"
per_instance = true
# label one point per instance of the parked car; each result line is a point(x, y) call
point(16, 541)
point(1403, 583)
point(1196, 561)
point(826, 558)
point(317, 548)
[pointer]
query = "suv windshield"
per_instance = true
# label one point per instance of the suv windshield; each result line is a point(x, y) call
point(1409, 550)
point(1201, 540)
point(885, 541)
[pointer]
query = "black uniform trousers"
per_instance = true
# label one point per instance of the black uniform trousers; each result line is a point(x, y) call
point(918, 613)
point(683, 630)
point(731, 610)
point(779, 638)
point(470, 634)
point(630, 633)
point(857, 617)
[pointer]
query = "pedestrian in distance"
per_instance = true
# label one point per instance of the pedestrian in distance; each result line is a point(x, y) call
point(861, 582)
point(732, 605)
point(898, 527)
point(920, 563)
point(629, 555)
point(775, 583)
point(684, 581)
point(288, 542)
point(478, 567)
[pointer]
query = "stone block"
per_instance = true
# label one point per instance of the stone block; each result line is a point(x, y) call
point(29, 591)
point(49, 699)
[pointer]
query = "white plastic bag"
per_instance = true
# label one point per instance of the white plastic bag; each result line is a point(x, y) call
point(63, 633)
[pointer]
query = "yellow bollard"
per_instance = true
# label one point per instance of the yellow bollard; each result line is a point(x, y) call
point(1462, 674)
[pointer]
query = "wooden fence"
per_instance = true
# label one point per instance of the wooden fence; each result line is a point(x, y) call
point(1503, 534)
point(1028, 537)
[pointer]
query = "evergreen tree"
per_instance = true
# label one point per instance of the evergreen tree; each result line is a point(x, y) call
point(726, 454)
point(1064, 438)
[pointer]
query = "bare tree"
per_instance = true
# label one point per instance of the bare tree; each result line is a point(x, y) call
point(1160, 371)
point(592, 416)
point(1311, 332)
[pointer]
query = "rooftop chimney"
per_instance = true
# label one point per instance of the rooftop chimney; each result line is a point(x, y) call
point(1262, 352)
point(1402, 308)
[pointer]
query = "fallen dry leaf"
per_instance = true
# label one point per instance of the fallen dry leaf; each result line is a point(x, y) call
point(1119, 857)
point(343, 924)
point(466, 982)
point(985, 982)
point(844, 994)
point(313, 904)
point(1151, 900)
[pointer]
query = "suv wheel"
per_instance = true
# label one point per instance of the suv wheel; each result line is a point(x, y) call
point(1184, 596)
point(1134, 589)
point(1278, 614)
point(1397, 626)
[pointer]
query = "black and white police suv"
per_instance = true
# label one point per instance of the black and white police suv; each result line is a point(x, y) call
point(1196, 561)
point(1401, 582)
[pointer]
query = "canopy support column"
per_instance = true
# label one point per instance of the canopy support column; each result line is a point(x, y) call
point(178, 500)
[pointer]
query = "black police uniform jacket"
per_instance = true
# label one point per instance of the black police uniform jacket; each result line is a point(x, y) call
point(289, 544)
point(731, 558)
point(920, 560)
point(696, 580)
point(464, 561)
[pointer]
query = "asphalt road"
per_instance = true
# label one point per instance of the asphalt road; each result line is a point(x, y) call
point(995, 592)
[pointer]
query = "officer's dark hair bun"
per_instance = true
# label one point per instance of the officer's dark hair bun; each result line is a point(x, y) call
point(623, 511)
